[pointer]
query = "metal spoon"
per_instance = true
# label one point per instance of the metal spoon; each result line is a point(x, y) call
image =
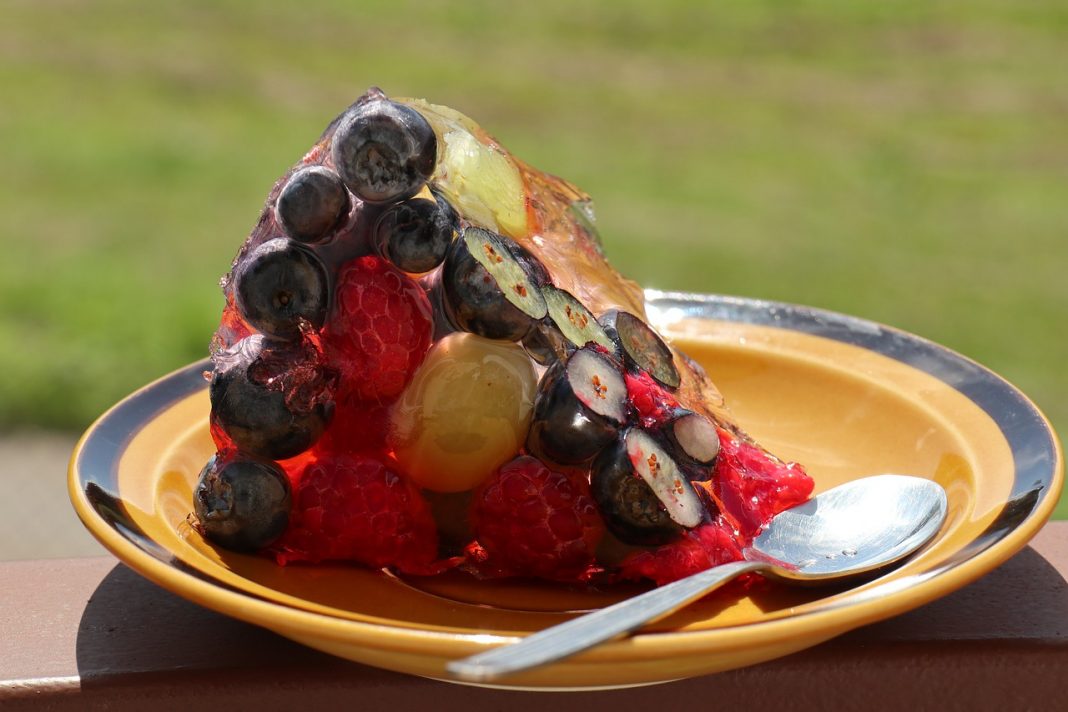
point(853, 529)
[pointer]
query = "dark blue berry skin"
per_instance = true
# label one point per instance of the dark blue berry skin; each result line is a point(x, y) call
point(628, 506)
point(642, 348)
point(697, 458)
point(545, 344)
point(254, 415)
point(242, 503)
point(311, 203)
point(415, 235)
point(473, 299)
point(384, 151)
point(279, 285)
point(538, 273)
point(563, 430)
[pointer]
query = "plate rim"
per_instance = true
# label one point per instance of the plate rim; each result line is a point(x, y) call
point(850, 613)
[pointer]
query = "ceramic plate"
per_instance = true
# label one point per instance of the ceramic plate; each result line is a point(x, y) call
point(844, 396)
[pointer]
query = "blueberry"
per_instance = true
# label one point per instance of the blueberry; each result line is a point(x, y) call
point(311, 202)
point(579, 408)
point(280, 284)
point(641, 492)
point(532, 266)
point(568, 325)
point(642, 348)
point(416, 234)
point(487, 290)
point(546, 344)
point(696, 438)
point(384, 151)
point(242, 503)
point(264, 409)
point(575, 321)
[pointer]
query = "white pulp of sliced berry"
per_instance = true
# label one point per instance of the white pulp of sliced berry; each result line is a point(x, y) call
point(598, 384)
point(492, 253)
point(697, 436)
point(574, 320)
point(664, 478)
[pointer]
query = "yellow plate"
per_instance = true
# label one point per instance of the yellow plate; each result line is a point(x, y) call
point(844, 396)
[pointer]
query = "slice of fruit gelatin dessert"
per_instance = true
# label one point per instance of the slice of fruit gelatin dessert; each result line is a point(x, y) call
point(425, 362)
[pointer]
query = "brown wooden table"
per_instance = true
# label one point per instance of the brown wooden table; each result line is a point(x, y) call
point(80, 634)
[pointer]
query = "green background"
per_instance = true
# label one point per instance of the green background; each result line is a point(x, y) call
point(903, 161)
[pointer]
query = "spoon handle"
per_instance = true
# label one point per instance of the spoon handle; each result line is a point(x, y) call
point(584, 632)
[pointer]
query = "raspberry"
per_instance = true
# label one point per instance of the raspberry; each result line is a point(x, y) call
point(357, 427)
point(702, 548)
point(530, 520)
point(751, 486)
point(380, 329)
point(354, 508)
point(652, 401)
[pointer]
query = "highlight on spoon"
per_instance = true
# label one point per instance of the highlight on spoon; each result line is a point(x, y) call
point(857, 527)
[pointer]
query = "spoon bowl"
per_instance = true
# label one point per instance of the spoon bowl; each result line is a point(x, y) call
point(855, 529)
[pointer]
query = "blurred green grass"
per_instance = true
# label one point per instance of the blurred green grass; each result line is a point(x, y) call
point(906, 162)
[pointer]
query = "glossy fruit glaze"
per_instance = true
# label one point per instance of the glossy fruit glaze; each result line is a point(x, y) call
point(505, 409)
